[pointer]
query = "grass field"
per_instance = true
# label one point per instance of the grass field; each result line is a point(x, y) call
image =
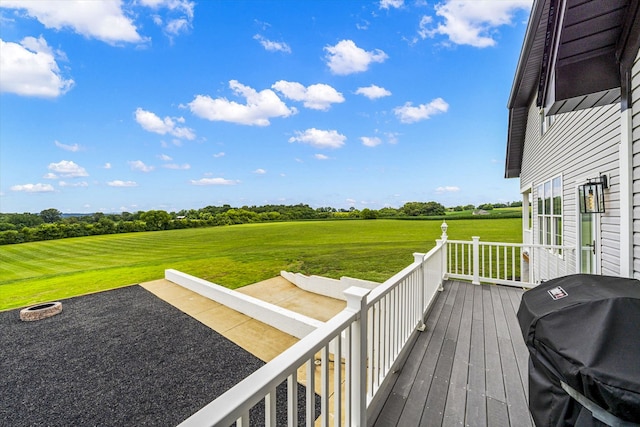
point(231, 256)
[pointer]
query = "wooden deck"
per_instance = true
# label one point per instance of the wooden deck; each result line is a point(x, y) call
point(469, 368)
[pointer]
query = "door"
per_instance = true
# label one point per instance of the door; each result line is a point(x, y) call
point(588, 244)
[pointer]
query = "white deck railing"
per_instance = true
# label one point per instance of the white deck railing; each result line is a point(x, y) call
point(346, 361)
point(513, 264)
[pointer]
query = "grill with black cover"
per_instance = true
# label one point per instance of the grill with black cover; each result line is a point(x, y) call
point(583, 336)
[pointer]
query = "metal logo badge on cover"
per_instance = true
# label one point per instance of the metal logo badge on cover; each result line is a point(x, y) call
point(557, 293)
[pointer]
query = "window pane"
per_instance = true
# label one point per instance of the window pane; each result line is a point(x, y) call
point(547, 197)
point(540, 196)
point(540, 231)
point(547, 226)
point(557, 196)
point(558, 231)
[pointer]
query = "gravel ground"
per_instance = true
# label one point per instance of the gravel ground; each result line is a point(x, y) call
point(121, 357)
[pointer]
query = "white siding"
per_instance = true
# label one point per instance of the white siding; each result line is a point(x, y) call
point(635, 97)
point(579, 145)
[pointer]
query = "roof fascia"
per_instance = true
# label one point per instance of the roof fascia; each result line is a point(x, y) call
point(527, 45)
point(627, 50)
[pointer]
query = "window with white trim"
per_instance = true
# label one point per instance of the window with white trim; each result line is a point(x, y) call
point(549, 201)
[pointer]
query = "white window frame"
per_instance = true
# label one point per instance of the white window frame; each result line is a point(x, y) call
point(550, 222)
point(545, 121)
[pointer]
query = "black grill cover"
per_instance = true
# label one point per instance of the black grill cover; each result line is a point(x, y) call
point(583, 330)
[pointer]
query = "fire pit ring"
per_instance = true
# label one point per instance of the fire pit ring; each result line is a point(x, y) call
point(40, 311)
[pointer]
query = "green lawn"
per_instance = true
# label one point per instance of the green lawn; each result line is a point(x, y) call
point(230, 256)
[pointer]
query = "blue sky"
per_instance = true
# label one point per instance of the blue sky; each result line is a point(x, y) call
point(174, 104)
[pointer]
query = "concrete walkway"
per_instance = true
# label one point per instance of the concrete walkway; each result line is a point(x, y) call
point(263, 341)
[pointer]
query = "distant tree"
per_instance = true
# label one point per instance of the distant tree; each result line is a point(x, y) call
point(51, 215)
point(387, 212)
point(24, 220)
point(469, 207)
point(105, 226)
point(10, 237)
point(422, 208)
point(458, 208)
point(156, 219)
point(499, 205)
point(516, 204)
point(367, 213)
point(486, 206)
point(48, 231)
point(4, 226)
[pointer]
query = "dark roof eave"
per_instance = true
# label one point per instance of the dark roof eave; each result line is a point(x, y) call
point(520, 95)
point(515, 98)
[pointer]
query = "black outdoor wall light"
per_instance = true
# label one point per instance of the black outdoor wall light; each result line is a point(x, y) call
point(592, 195)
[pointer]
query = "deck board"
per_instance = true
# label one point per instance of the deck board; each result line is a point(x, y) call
point(476, 411)
point(437, 397)
point(469, 368)
point(416, 400)
point(457, 393)
point(405, 379)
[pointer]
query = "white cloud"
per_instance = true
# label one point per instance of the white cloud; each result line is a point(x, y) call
point(321, 157)
point(260, 106)
point(347, 58)
point(67, 169)
point(317, 97)
point(177, 26)
point(164, 157)
point(260, 171)
point(387, 4)
point(186, 6)
point(33, 188)
point(30, 69)
point(102, 20)
point(363, 25)
point(180, 15)
point(50, 176)
point(373, 92)
point(107, 165)
point(174, 166)
point(272, 46)
point(319, 138)
point(409, 114)
point(218, 155)
point(213, 181)
point(369, 141)
point(119, 183)
point(447, 189)
point(392, 137)
point(73, 184)
point(73, 148)
point(471, 22)
point(152, 123)
point(138, 165)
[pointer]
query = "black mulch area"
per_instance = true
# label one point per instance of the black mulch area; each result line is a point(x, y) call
point(122, 357)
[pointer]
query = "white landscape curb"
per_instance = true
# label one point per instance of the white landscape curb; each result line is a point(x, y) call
point(280, 318)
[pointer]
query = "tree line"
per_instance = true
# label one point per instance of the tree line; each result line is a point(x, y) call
point(52, 224)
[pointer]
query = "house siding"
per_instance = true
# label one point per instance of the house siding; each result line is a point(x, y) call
point(578, 145)
point(635, 123)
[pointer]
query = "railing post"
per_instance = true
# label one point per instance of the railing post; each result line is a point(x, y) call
point(443, 255)
point(442, 276)
point(419, 257)
point(357, 302)
point(476, 260)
